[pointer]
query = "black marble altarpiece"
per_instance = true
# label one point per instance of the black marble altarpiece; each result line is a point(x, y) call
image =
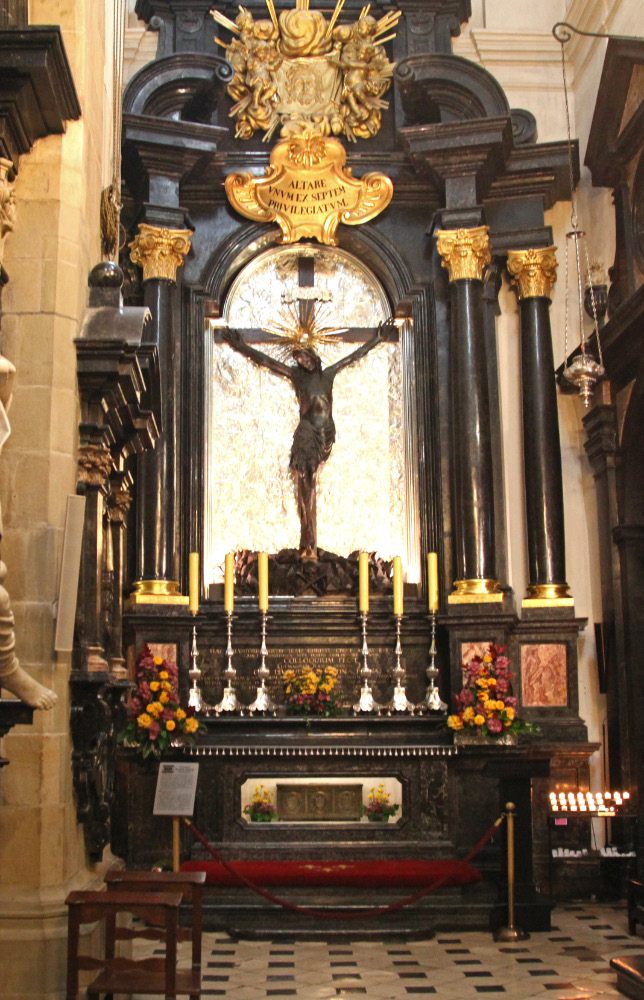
point(459, 158)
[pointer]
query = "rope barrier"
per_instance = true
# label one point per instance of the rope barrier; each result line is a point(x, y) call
point(343, 914)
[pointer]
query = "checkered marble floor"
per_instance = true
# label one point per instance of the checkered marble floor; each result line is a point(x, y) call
point(570, 962)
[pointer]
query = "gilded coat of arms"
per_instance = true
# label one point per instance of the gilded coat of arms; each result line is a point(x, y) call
point(301, 73)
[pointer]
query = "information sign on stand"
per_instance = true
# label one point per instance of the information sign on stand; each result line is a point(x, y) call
point(176, 789)
point(175, 796)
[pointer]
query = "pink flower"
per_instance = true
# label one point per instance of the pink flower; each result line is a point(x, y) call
point(494, 725)
point(511, 701)
point(154, 730)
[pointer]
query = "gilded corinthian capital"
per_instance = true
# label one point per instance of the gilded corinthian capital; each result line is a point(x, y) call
point(533, 272)
point(465, 252)
point(160, 251)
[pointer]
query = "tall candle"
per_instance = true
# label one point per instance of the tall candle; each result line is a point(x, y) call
point(193, 582)
point(432, 581)
point(398, 586)
point(229, 584)
point(363, 576)
point(262, 573)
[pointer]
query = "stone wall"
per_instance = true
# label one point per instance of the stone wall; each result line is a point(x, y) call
point(55, 243)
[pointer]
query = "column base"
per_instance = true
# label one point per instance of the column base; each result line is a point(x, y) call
point(479, 591)
point(156, 592)
point(548, 595)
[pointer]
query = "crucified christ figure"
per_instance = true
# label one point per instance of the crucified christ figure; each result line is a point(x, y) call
point(315, 433)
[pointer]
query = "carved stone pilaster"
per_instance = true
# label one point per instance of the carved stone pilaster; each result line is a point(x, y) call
point(118, 503)
point(533, 272)
point(160, 251)
point(464, 252)
point(7, 203)
point(94, 464)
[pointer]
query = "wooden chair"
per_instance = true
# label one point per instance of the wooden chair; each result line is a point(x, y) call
point(123, 975)
point(189, 884)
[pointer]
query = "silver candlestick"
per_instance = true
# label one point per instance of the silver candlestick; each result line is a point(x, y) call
point(263, 701)
point(367, 702)
point(229, 702)
point(399, 701)
point(195, 697)
point(433, 701)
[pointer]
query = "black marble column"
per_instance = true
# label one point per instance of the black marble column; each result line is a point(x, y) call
point(160, 251)
point(534, 273)
point(465, 254)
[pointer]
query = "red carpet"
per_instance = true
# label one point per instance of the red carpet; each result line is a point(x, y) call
point(360, 874)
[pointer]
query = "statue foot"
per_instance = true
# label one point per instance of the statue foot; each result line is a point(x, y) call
point(28, 690)
point(309, 555)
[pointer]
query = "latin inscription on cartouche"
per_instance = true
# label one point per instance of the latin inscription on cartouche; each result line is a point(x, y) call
point(308, 191)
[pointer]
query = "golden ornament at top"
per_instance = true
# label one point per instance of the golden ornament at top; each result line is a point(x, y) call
point(301, 73)
point(465, 252)
point(534, 272)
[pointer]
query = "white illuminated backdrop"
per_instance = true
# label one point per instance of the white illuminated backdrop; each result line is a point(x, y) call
point(250, 494)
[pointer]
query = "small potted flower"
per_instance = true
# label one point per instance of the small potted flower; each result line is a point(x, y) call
point(485, 707)
point(311, 692)
point(378, 808)
point(157, 720)
point(261, 808)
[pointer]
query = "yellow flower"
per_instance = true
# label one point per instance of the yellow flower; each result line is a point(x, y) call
point(491, 681)
point(144, 720)
point(166, 685)
point(170, 725)
point(482, 682)
point(487, 658)
point(468, 714)
point(152, 708)
point(158, 661)
point(509, 711)
point(164, 697)
point(179, 714)
point(455, 722)
point(500, 705)
point(154, 686)
point(163, 674)
point(478, 720)
point(192, 725)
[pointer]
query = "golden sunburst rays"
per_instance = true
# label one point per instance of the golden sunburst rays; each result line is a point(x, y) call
point(304, 327)
point(386, 23)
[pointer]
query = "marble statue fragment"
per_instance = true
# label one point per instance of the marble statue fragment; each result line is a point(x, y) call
point(12, 677)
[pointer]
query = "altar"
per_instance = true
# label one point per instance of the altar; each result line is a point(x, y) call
point(310, 430)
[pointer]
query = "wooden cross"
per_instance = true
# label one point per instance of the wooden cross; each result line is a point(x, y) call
point(309, 293)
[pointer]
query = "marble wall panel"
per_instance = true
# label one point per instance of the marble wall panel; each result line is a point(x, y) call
point(544, 675)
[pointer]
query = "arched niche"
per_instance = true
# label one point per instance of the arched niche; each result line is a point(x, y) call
point(368, 491)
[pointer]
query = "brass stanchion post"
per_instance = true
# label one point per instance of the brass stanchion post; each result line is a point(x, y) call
point(510, 932)
point(176, 843)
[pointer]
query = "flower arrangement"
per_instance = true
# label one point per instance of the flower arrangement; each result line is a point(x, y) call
point(261, 809)
point(310, 693)
point(156, 716)
point(486, 703)
point(378, 807)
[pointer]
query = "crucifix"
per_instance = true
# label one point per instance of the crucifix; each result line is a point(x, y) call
point(315, 434)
